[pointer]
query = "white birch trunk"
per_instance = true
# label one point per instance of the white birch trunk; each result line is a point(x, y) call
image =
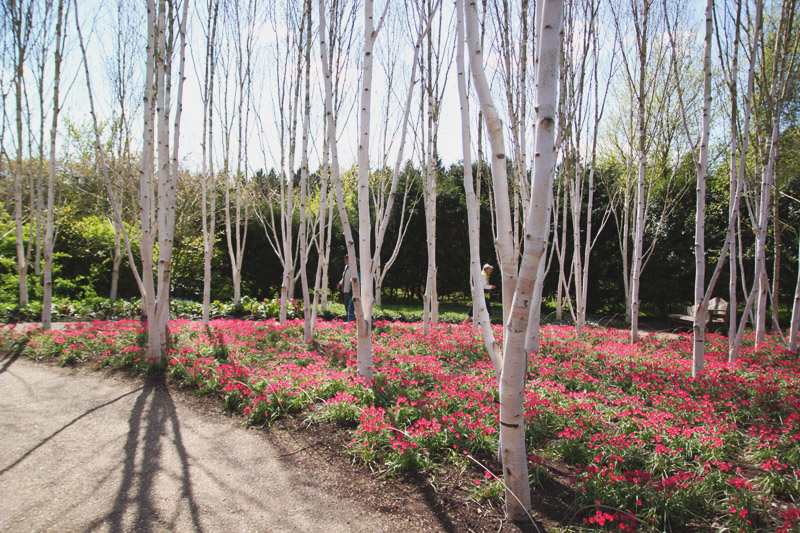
point(505, 233)
point(512, 382)
point(795, 325)
point(308, 329)
point(785, 47)
point(473, 209)
point(639, 220)
point(47, 299)
point(734, 341)
point(734, 147)
point(512, 432)
point(700, 304)
point(20, 37)
point(146, 182)
point(364, 221)
point(365, 366)
point(208, 185)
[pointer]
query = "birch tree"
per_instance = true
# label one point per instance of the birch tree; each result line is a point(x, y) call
point(363, 295)
point(304, 174)
point(433, 87)
point(122, 69)
point(512, 433)
point(166, 40)
point(584, 96)
point(700, 157)
point(47, 298)
point(364, 354)
point(208, 184)
point(784, 56)
point(240, 20)
point(20, 17)
point(738, 163)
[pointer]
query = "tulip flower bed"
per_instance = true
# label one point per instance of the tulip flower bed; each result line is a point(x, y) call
point(647, 446)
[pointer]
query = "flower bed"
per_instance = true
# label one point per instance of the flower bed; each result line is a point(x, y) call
point(646, 445)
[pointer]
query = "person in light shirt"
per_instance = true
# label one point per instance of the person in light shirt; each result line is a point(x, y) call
point(486, 272)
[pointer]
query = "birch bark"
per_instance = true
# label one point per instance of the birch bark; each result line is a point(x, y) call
point(512, 433)
point(364, 355)
point(308, 329)
point(512, 382)
point(208, 184)
point(47, 299)
point(481, 314)
point(21, 17)
point(504, 238)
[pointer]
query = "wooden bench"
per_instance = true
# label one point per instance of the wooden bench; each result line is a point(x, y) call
point(716, 318)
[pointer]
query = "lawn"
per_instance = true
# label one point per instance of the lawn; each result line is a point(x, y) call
point(644, 446)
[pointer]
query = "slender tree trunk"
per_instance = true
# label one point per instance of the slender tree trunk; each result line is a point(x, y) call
point(473, 207)
point(512, 382)
point(785, 47)
point(512, 432)
point(364, 353)
point(734, 147)
point(20, 37)
point(116, 262)
point(736, 330)
point(700, 304)
point(146, 184)
point(505, 233)
point(639, 221)
point(208, 184)
point(47, 299)
point(308, 329)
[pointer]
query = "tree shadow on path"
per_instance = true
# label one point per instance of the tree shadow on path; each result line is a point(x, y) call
point(64, 427)
point(152, 424)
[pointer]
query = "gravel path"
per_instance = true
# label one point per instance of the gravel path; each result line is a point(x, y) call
point(81, 451)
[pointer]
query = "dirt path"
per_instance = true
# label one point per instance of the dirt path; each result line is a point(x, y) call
point(88, 452)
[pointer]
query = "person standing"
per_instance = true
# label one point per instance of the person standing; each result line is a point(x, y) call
point(347, 289)
point(486, 272)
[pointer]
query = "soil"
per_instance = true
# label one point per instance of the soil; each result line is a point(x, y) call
point(113, 451)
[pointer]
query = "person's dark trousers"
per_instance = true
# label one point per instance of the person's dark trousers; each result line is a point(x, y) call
point(348, 306)
point(488, 308)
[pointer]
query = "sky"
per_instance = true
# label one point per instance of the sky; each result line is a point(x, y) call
point(99, 20)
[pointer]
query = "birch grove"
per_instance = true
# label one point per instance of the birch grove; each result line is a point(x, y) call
point(159, 163)
point(385, 190)
point(600, 119)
